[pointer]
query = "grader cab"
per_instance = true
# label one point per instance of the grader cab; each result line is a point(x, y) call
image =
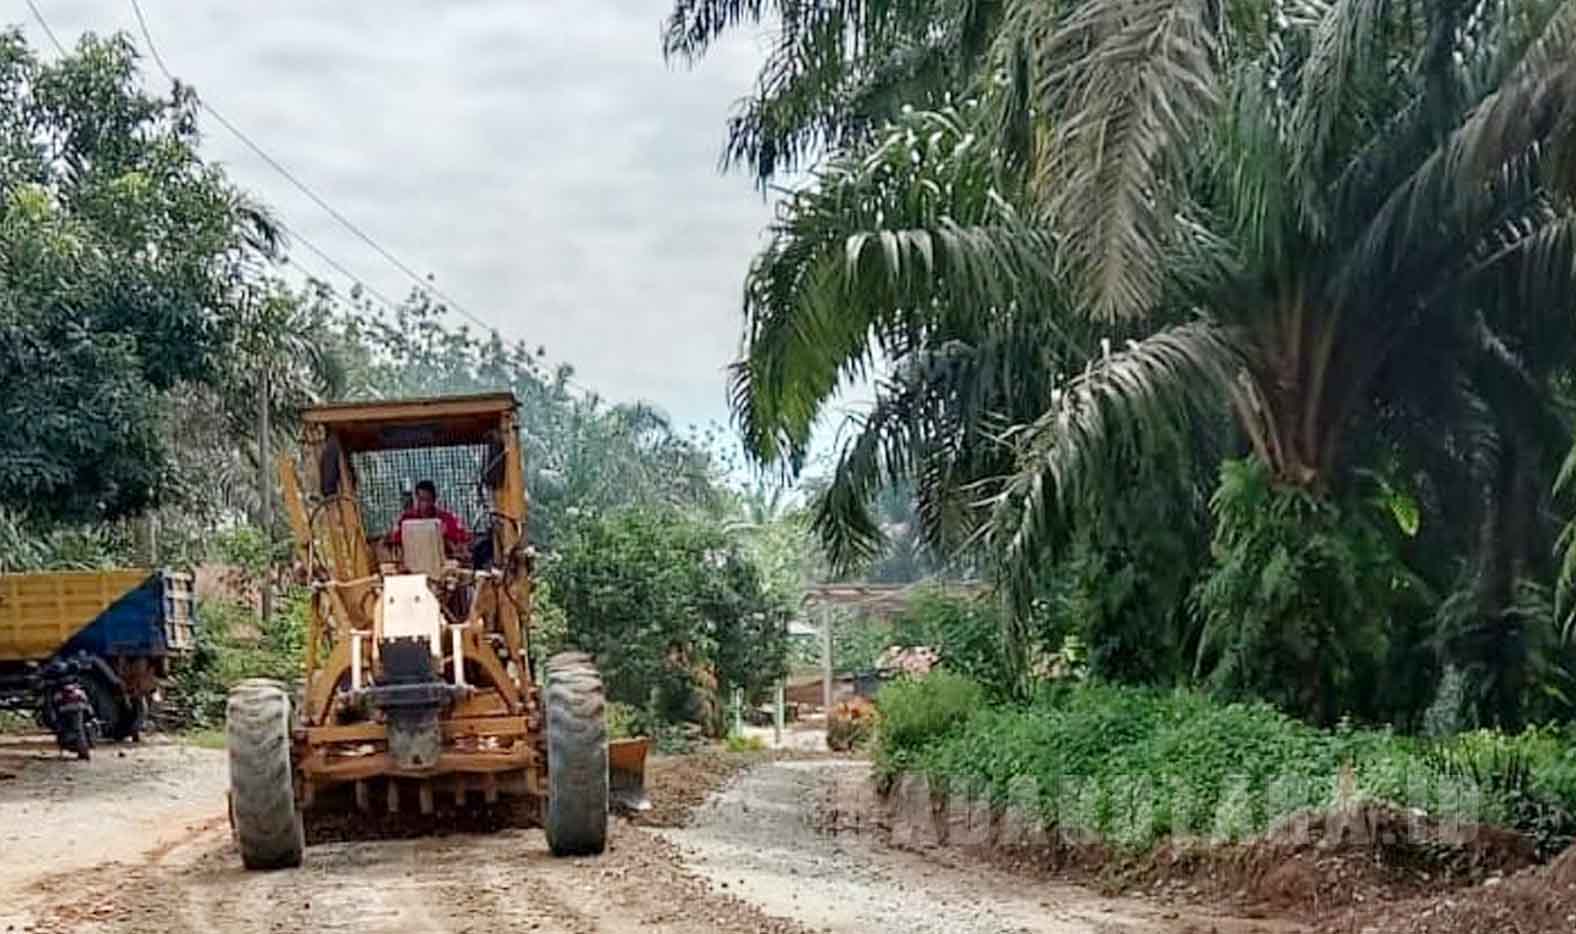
point(418, 689)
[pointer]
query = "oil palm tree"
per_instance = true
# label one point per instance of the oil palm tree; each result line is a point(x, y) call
point(1261, 210)
point(835, 72)
point(1355, 176)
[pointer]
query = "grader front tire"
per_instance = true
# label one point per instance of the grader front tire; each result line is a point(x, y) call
point(263, 810)
point(576, 757)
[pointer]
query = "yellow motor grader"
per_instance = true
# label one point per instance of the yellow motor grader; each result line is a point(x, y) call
point(418, 688)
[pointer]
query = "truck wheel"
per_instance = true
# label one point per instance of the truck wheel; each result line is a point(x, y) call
point(137, 720)
point(576, 757)
point(263, 811)
point(120, 717)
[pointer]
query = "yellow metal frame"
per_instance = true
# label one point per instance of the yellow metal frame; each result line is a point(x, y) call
point(496, 733)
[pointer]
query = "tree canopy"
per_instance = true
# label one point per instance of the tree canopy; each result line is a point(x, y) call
point(127, 264)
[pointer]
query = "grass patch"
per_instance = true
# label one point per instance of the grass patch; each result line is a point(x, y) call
point(208, 738)
point(737, 742)
point(17, 721)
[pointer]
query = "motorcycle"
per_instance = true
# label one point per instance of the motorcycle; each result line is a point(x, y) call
point(67, 709)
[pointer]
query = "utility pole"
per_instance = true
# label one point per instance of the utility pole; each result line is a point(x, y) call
point(265, 511)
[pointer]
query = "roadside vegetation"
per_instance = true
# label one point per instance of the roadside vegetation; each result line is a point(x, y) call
point(1134, 765)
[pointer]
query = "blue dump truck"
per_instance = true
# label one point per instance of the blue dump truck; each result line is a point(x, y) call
point(122, 628)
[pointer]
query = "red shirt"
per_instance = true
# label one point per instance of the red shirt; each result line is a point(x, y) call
point(453, 531)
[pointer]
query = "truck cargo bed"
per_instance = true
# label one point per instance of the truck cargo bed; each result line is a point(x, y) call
point(103, 613)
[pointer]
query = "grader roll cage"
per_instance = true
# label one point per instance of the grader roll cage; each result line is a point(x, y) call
point(418, 686)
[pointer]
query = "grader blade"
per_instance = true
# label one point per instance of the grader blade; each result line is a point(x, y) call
point(626, 773)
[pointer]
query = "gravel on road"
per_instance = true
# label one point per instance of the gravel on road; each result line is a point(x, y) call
point(757, 838)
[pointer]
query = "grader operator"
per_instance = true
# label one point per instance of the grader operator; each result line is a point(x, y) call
point(420, 682)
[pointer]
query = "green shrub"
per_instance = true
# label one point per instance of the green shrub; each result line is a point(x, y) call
point(737, 742)
point(1133, 765)
point(623, 721)
point(916, 711)
point(1530, 777)
point(967, 632)
point(194, 696)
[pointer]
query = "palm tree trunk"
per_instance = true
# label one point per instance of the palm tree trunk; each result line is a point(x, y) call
point(1294, 416)
point(1285, 403)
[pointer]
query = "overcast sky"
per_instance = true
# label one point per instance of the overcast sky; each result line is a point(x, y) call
point(538, 157)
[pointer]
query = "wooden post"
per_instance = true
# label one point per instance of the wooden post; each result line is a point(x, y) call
point(777, 718)
point(826, 659)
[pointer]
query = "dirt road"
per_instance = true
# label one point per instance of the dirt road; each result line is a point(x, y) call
point(130, 803)
point(138, 844)
point(756, 837)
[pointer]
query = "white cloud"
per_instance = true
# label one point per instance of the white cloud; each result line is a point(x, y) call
point(539, 158)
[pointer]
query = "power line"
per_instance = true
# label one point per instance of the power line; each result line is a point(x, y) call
point(38, 15)
point(321, 254)
point(344, 221)
point(295, 235)
point(335, 265)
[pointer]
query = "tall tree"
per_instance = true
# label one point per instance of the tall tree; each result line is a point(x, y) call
point(1262, 210)
point(123, 259)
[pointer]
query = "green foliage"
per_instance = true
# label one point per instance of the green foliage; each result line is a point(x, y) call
point(1345, 231)
point(622, 720)
point(1133, 765)
point(918, 711)
point(1299, 605)
point(857, 641)
point(32, 546)
point(737, 743)
point(231, 647)
point(1533, 773)
point(666, 603)
point(969, 634)
point(125, 264)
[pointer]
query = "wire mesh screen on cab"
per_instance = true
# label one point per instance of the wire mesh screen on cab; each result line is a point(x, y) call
point(386, 482)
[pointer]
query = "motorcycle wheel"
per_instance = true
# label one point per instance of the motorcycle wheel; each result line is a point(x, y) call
point(82, 743)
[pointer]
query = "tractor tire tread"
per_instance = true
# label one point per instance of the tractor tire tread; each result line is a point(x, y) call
point(267, 823)
point(577, 803)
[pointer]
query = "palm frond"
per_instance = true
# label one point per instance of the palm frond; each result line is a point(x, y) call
point(1129, 83)
point(1333, 94)
point(888, 245)
point(1125, 411)
point(1497, 157)
point(836, 71)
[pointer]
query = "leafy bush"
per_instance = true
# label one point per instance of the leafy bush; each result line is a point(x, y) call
point(1304, 598)
point(674, 612)
point(621, 720)
point(1134, 764)
point(1533, 775)
point(225, 653)
point(739, 743)
point(967, 632)
point(917, 711)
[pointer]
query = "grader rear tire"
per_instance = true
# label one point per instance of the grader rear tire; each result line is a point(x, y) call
point(576, 757)
point(263, 811)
